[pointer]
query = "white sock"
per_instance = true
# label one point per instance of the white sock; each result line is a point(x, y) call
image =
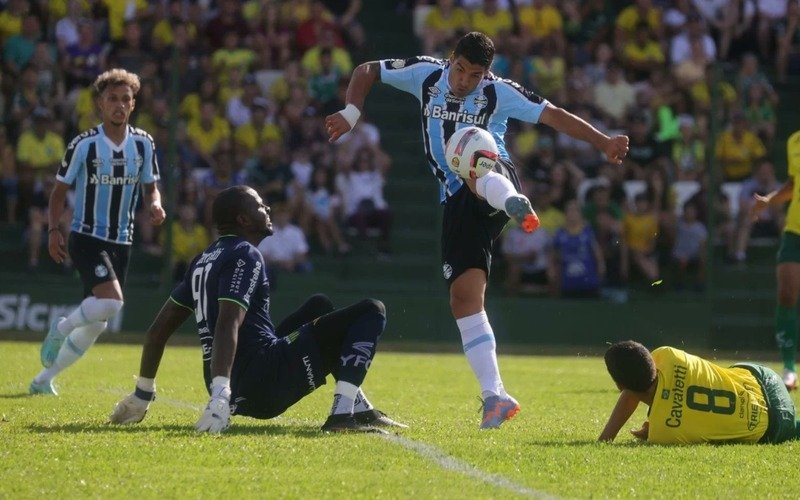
point(496, 189)
point(90, 310)
point(361, 402)
point(477, 338)
point(74, 346)
point(344, 396)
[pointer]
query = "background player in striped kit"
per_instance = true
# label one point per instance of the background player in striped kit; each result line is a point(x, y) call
point(106, 164)
point(455, 93)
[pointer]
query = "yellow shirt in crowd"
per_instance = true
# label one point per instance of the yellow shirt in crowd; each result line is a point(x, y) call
point(249, 138)
point(540, 22)
point(641, 231)
point(738, 155)
point(207, 140)
point(40, 153)
point(492, 25)
point(459, 19)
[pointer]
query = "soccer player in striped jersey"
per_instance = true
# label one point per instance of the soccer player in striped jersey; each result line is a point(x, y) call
point(692, 400)
point(106, 165)
point(456, 93)
point(788, 271)
point(251, 367)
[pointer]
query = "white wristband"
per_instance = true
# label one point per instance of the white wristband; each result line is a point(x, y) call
point(351, 114)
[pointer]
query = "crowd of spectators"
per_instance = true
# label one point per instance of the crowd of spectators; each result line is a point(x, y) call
point(649, 69)
point(255, 80)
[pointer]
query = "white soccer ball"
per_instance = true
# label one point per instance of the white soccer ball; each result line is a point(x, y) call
point(471, 152)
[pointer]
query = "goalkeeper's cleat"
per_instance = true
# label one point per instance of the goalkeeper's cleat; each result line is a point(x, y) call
point(376, 418)
point(52, 344)
point(46, 388)
point(519, 208)
point(345, 422)
point(498, 409)
point(790, 379)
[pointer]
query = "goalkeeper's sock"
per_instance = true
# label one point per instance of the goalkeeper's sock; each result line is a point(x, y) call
point(91, 310)
point(361, 402)
point(344, 396)
point(786, 334)
point(74, 346)
point(496, 189)
point(477, 338)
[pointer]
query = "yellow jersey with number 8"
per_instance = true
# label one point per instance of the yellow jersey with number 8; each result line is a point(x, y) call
point(697, 401)
point(793, 159)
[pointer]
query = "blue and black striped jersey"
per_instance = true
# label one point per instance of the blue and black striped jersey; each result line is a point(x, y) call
point(107, 178)
point(489, 106)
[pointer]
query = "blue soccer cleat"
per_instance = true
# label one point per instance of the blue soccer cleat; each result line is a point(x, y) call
point(46, 388)
point(498, 409)
point(52, 344)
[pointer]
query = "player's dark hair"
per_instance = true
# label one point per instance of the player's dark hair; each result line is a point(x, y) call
point(476, 48)
point(229, 204)
point(630, 365)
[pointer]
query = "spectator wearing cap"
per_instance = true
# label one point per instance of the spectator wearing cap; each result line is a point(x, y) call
point(737, 149)
point(258, 129)
point(39, 153)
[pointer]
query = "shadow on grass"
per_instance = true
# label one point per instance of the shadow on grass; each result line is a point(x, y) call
point(584, 442)
point(18, 395)
point(302, 431)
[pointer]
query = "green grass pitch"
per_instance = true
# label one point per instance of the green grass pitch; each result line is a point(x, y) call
point(62, 447)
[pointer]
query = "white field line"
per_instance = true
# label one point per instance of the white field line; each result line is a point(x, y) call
point(426, 451)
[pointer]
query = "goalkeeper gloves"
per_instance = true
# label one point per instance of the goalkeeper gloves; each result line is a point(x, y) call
point(217, 414)
point(133, 408)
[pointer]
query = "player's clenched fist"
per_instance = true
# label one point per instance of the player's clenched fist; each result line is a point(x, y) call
point(342, 122)
point(132, 409)
point(616, 148)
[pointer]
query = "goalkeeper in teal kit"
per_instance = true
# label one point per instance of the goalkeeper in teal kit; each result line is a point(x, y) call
point(251, 367)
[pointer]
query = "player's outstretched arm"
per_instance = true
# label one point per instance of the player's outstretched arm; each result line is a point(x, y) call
point(361, 82)
point(134, 407)
point(626, 405)
point(615, 148)
point(775, 198)
point(217, 413)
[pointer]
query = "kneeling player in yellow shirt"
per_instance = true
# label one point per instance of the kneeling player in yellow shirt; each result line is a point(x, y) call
point(692, 400)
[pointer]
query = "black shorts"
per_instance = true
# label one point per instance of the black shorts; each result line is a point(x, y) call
point(469, 228)
point(276, 377)
point(98, 261)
